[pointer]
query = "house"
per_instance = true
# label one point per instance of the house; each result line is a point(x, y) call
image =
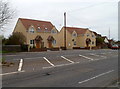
point(38, 33)
point(105, 39)
point(77, 37)
point(111, 42)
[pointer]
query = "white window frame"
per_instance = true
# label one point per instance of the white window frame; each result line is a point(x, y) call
point(32, 42)
point(92, 35)
point(88, 35)
point(53, 31)
point(31, 30)
point(74, 35)
point(54, 42)
point(74, 43)
point(39, 29)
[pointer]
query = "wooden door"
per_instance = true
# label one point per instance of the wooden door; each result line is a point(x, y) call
point(50, 44)
point(38, 45)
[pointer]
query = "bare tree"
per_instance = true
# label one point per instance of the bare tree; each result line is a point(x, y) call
point(6, 13)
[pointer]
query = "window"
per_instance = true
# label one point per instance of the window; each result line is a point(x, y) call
point(87, 35)
point(74, 43)
point(31, 41)
point(46, 28)
point(74, 35)
point(92, 35)
point(54, 42)
point(31, 30)
point(93, 42)
point(53, 31)
point(82, 34)
point(39, 28)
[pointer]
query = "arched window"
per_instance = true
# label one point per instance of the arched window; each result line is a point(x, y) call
point(39, 28)
point(53, 31)
point(31, 30)
point(54, 42)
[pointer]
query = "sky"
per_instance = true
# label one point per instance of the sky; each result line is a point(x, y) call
point(97, 15)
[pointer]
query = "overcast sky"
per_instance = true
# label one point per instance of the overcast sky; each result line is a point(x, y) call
point(97, 15)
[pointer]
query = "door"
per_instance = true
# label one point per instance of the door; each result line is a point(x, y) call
point(38, 45)
point(50, 44)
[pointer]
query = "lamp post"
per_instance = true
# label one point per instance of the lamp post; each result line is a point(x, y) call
point(64, 30)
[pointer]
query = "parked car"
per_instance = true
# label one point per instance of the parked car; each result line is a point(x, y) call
point(115, 46)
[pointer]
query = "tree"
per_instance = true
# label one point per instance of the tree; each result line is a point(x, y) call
point(17, 38)
point(99, 41)
point(6, 13)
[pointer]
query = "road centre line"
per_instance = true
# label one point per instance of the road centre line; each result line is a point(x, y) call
point(12, 73)
point(86, 57)
point(95, 77)
point(67, 59)
point(48, 61)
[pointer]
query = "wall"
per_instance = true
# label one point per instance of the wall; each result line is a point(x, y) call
point(11, 48)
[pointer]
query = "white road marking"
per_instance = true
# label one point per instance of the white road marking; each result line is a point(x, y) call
point(12, 73)
point(20, 65)
point(94, 54)
point(97, 55)
point(48, 61)
point(95, 77)
point(67, 59)
point(60, 65)
point(86, 57)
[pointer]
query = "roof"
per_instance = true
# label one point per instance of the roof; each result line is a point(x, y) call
point(77, 30)
point(38, 38)
point(105, 37)
point(37, 23)
point(50, 38)
point(95, 33)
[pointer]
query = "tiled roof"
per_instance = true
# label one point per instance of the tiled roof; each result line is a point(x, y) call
point(104, 37)
point(77, 30)
point(37, 23)
point(95, 33)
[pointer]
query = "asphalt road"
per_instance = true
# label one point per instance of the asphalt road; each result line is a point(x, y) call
point(71, 68)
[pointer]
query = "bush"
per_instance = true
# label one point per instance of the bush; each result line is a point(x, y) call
point(24, 47)
point(17, 38)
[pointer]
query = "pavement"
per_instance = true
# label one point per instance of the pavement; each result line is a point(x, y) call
point(69, 68)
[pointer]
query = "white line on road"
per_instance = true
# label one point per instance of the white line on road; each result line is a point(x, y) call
point(48, 61)
point(86, 57)
point(94, 54)
point(59, 65)
point(95, 76)
point(67, 59)
point(20, 65)
point(12, 73)
point(97, 55)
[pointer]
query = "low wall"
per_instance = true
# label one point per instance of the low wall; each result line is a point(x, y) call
point(11, 48)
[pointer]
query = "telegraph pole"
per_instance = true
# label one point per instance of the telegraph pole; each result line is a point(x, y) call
point(109, 33)
point(65, 30)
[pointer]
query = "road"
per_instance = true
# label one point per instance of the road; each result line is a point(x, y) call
point(70, 68)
